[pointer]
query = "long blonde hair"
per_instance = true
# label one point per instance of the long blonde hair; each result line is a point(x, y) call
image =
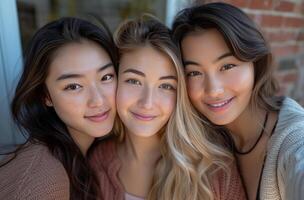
point(191, 151)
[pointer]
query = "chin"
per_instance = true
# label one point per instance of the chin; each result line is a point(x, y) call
point(144, 134)
point(220, 122)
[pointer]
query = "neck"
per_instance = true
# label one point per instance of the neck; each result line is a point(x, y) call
point(82, 140)
point(246, 129)
point(142, 149)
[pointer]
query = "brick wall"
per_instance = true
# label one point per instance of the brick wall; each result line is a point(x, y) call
point(282, 22)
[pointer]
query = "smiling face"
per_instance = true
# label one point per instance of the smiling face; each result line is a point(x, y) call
point(82, 86)
point(146, 92)
point(219, 84)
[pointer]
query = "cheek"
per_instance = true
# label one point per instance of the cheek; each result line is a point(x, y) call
point(109, 91)
point(125, 97)
point(241, 80)
point(195, 89)
point(65, 104)
point(167, 102)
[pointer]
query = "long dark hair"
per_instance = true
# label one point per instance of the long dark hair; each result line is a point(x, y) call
point(243, 38)
point(39, 122)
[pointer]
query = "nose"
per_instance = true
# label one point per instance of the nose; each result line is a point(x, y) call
point(146, 99)
point(96, 97)
point(213, 86)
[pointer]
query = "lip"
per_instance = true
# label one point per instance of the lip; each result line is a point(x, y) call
point(218, 106)
point(98, 117)
point(143, 117)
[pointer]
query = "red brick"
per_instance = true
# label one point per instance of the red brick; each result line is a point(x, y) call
point(256, 18)
point(285, 6)
point(281, 36)
point(292, 77)
point(239, 3)
point(271, 21)
point(284, 51)
point(261, 4)
point(301, 36)
point(299, 8)
point(293, 22)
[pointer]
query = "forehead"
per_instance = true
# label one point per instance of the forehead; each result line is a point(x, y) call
point(206, 42)
point(148, 60)
point(78, 57)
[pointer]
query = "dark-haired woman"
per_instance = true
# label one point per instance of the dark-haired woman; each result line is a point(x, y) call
point(230, 82)
point(64, 100)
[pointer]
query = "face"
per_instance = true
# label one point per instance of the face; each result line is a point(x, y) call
point(82, 86)
point(146, 92)
point(219, 85)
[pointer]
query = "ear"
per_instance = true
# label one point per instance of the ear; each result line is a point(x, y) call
point(48, 102)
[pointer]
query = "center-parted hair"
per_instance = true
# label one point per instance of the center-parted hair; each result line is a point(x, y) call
point(190, 152)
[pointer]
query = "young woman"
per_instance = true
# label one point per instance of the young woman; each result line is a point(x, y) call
point(230, 82)
point(65, 98)
point(161, 150)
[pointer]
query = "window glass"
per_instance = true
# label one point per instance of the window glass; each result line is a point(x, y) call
point(35, 13)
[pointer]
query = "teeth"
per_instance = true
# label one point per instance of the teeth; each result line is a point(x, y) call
point(219, 104)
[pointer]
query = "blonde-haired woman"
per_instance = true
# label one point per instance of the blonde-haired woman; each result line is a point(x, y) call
point(161, 150)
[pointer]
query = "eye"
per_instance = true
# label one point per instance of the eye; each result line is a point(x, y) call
point(167, 86)
point(107, 77)
point(133, 81)
point(73, 86)
point(227, 67)
point(193, 73)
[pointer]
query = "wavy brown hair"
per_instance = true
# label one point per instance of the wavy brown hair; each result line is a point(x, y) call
point(41, 124)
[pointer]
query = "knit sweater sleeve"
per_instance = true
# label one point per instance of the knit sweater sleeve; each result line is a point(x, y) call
point(291, 167)
point(34, 174)
point(45, 180)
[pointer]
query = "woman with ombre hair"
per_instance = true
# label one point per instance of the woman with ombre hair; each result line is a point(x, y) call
point(230, 81)
point(161, 149)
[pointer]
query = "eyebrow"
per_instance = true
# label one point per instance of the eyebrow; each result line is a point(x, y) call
point(143, 74)
point(135, 72)
point(67, 76)
point(188, 62)
point(223, 56)
point(168, 77)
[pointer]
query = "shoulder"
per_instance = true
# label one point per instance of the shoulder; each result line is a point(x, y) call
point(104, 152)
point(34, 174)
point(285, 152)
point(291, 115)
point(105, 164)
point(289, 129)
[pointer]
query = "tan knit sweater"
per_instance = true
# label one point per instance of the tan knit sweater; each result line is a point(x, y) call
point(34, 174)
point(106, 164)
point(283, 174)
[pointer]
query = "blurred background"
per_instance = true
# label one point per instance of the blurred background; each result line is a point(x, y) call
point(281, 21)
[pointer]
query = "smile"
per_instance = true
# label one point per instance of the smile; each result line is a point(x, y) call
point(143, 117)
point(219, 106)
point(98, 117)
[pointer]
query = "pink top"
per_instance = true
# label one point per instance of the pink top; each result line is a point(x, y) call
point(132, 197)
point(105, 162)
